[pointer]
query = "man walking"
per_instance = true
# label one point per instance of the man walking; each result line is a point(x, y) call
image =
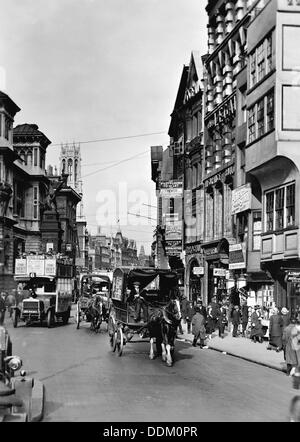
point(236, 319)
point(2, 308)
point(275, 331)
point(244, 317)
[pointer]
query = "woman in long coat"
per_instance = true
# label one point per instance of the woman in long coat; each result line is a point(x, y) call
point(275, 331)
point(256, 326)
point(291, 350)
point(198, 328)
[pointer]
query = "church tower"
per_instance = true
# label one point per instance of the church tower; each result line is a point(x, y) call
point(70, 163)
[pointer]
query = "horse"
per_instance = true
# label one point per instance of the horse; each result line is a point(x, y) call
point(162, 326)
point(95, 312)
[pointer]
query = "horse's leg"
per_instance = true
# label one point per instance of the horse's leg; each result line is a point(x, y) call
point(169, 357)
point(163, 354)
point(151, 355)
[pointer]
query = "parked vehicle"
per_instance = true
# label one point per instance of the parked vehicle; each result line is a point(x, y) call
point(21, 397)
point(46, 293)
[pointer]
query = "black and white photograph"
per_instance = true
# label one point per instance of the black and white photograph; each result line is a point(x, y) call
point(149, 215)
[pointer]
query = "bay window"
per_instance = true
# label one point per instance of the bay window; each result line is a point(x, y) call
point(280, 208)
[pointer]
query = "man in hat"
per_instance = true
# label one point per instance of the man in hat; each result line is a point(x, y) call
point(285, 314)
point(140, 304)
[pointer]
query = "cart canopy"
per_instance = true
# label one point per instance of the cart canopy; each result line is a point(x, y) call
point(154, 283)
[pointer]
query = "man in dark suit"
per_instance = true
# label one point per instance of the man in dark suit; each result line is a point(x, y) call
point(236, 319)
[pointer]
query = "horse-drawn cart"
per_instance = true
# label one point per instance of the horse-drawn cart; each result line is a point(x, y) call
point(141, 298)
point(92, 304)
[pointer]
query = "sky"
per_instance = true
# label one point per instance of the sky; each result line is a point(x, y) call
point(106, 70)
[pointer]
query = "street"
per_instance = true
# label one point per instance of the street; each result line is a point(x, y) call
point(84, 381)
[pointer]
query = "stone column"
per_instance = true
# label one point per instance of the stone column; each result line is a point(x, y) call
point(220, 30)
point(240, 9)
point(218, 151)
point(229, 17)
point(211, 42)
point(227, 144)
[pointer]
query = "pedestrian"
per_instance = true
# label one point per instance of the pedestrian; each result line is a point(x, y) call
point(285, 317)
point(189, 312)
point(275, 331)
point(244, 318)
point(213, 312)
point(198, 328)
point(183, 308)
point(222, 320)
point(10, 301)
point(236, 319)
point(291, 349)
point(295, 409)
point(256, 333)
point(2, 308)
point(202, 308)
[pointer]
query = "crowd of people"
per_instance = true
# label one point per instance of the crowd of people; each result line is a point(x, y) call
point(242, 320)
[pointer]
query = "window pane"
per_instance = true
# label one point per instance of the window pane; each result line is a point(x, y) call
point(290, 205)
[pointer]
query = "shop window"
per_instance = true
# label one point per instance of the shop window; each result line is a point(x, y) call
point(253, 68)
point(256, 231)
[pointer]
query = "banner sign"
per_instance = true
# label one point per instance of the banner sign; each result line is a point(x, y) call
point(35, 265)
point(198, 270)
point(220, 272)
point(50, 267)
point(241, 199)
point(236, 257)
point(171, 189)
point(293, 276)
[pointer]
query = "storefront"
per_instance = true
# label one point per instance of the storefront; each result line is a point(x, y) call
point(216, 260)
point(194, 271)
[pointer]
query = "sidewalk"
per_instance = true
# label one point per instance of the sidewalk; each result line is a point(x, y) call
point(243, 348)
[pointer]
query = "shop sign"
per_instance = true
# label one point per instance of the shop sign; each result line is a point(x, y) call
point(173, 231)
point(212, 251)
point(220, 273)
point(198, 270)
point(173, 248)
point(170, 217)
point(192, 249)
point(293, 276)
point(50, 267)
point(35, 265)
point(171, 189)
point(21, 267)
point(241, 199)
point(236, 257)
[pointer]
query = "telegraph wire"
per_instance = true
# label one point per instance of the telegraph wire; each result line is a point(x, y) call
point(101, 140)
point(115, 164)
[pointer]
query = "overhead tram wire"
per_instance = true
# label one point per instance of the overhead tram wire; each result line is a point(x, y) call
point(113, 165)
point(101, 140)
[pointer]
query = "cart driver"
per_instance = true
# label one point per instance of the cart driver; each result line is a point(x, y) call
point(140, 304)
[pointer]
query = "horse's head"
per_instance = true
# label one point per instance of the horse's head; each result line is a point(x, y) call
point(172, 312)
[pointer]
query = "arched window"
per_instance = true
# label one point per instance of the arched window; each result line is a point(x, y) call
point(70, 169)
point(63, 168)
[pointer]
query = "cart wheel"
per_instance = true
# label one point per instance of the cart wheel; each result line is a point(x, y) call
point(49, 319)
point(111, 326)
point(120, 341)
point(77, 316)
point(15, 318)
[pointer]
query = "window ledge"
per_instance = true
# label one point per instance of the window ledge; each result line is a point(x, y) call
point(260, 138)
point(280, 231)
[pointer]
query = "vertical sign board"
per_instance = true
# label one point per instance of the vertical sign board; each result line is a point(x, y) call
point(21, 267)
point(241, 199)
point(237, 257)
point(171, 189)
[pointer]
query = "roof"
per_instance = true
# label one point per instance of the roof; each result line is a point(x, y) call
point(6, 101)
point(30, 130)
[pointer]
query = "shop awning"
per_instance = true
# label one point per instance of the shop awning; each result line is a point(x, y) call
point(257, 277)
